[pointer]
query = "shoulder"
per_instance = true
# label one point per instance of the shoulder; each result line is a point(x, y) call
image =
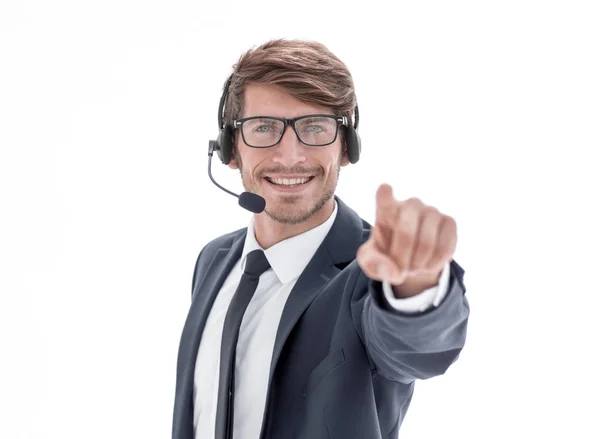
point(223, 241)
point(208, 252)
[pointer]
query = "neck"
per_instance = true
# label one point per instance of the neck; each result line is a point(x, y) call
point(269, 232)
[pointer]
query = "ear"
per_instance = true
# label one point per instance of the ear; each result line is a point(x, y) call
point(233, 164)
point(345, 159)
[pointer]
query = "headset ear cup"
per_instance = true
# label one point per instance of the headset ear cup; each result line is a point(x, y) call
point(352, 145)
point(225, 147)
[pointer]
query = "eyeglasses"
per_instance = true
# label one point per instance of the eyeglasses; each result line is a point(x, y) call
point(312, 129)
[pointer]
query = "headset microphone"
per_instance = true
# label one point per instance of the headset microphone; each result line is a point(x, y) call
point(248, 200)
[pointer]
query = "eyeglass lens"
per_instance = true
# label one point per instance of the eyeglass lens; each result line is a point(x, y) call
point(313, 131)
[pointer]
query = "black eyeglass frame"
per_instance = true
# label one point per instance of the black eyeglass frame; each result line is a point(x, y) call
point(341, 121)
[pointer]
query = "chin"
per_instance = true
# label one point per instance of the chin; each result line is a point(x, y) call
point(288, 216)
point(294, 209)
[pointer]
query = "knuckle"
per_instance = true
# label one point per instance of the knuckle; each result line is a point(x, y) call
point(414, 202)
point(450, 222)
point(431, 211)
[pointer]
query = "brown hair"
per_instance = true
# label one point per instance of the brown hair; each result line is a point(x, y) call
point(307, 70)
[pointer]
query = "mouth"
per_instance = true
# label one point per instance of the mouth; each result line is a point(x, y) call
point(289, 184)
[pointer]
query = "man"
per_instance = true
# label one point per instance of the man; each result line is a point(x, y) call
point(343, 317)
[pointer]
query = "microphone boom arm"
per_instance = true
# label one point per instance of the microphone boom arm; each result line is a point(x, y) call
point(210, 153)
point(248, 200)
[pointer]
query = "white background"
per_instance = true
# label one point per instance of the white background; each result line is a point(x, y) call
point(489, 111)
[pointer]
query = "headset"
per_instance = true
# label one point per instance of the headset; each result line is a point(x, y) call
point(224, 147)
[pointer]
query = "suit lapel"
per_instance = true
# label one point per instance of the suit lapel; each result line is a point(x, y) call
point(338, 248)
point(317, 274)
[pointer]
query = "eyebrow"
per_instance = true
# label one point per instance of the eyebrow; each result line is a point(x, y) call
point(309, 116)
point(310, 119)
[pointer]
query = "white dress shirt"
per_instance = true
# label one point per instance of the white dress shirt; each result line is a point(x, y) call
point(258, 329)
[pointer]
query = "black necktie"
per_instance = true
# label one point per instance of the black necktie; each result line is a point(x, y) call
point(256, 264)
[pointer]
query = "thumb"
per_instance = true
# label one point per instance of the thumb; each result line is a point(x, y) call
point(375, 264)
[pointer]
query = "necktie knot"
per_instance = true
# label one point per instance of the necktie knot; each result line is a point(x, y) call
point(256, 263)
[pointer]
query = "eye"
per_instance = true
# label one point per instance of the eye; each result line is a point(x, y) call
point(263, 128)
point(314, 128)
point(316, 125)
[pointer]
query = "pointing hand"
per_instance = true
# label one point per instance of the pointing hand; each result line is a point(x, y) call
point(409, 245)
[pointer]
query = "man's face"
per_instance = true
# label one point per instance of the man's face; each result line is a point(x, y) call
point(289, 159)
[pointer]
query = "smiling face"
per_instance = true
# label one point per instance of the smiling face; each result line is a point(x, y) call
point(279, 174)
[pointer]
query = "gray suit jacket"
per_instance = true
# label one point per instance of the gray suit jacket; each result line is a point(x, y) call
point(344, 361)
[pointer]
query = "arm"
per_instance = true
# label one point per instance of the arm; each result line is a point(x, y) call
point(196, 271)
point(409, 346)
point(409, 246)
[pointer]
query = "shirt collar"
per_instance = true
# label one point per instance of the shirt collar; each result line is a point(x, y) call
point(289, 257)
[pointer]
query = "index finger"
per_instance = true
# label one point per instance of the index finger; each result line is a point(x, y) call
point(386, 209)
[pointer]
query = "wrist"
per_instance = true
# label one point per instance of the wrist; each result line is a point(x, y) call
point(414, 285)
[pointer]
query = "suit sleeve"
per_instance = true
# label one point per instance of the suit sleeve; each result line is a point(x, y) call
point(405, 346)
point(422, 301)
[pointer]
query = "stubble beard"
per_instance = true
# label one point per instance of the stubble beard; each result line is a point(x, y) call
point(291, 216)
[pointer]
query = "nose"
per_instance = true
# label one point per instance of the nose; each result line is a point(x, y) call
point(289, 151)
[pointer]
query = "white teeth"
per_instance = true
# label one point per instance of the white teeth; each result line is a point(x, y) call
point(288, 181)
